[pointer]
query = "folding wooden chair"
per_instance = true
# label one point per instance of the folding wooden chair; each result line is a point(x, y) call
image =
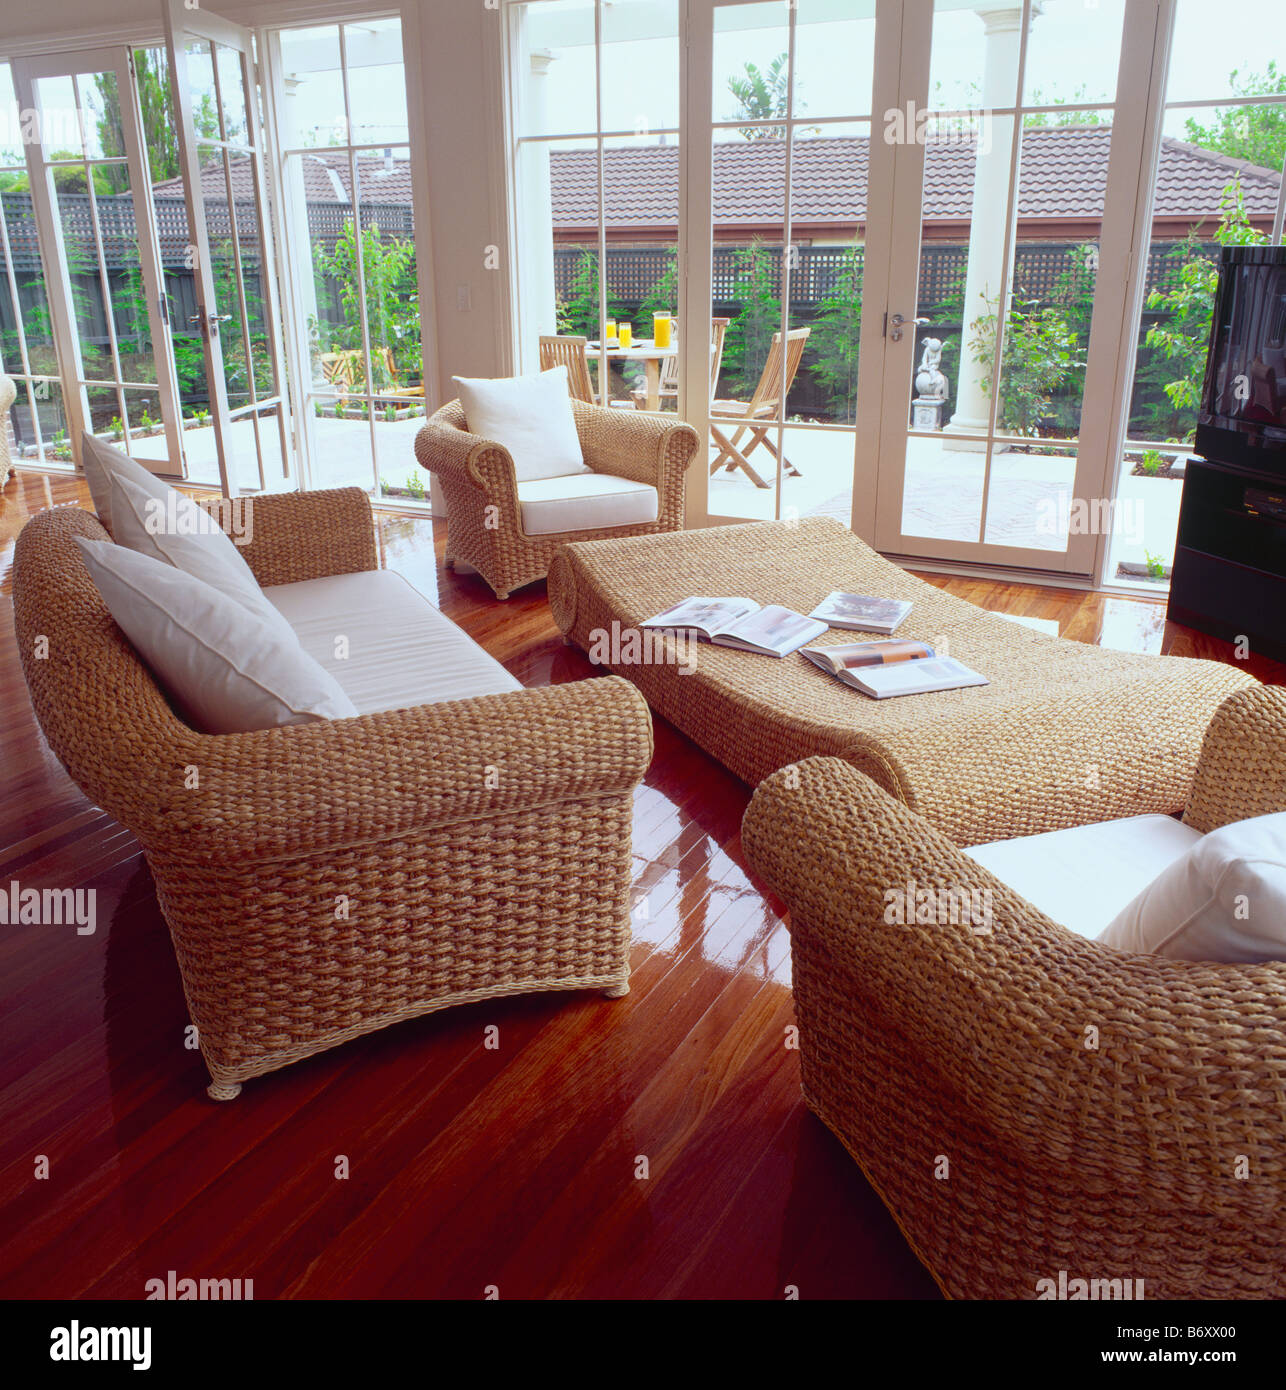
point(669, 388)
point(570, 353)
point(758, 416)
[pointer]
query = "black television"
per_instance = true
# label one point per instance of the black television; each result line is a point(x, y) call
point(1242, 420)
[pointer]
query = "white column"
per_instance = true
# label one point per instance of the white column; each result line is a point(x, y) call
point(1002, 22)
point(536, 313)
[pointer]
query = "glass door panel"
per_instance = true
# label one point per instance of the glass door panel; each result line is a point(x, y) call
point(91, 201)
point(236, 297)
point(1217, 181)
point(981, 453)
point(349, 220)
point(790, 98)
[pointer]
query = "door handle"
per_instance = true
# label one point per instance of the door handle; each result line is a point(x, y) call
point(897, 321)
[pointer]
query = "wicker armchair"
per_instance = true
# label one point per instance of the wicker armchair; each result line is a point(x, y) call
point(1027, 1101)
point(324, 880)
point(484, 516)
point(8, 391)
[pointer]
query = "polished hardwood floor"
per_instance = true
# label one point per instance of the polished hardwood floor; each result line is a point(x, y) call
point(467, 1168)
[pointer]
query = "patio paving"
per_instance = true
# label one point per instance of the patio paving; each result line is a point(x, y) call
point(1028, 506)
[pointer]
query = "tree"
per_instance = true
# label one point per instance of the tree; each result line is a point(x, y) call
point(835, 341)
point(392, 303)
point(1041, 351)
point(1183, 336)
point(160, 124)
point(1039, 120)
point(762, 96)
point(757, 280)
point(578, 314)
point(1253, 133)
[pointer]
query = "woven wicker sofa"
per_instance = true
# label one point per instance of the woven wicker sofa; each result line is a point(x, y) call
point(1026, 1101)
point(485, 506)
point(456, 885)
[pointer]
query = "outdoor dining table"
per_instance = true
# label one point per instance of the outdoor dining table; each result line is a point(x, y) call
point(640, 350)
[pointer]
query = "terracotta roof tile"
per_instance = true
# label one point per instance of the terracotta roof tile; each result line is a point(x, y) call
point(1064, 175)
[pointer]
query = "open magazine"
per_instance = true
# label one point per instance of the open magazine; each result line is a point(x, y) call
point(898, 667)
point(740, 622)
point(861, 612)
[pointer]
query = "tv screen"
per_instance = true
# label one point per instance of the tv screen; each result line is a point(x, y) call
point(1243, 406)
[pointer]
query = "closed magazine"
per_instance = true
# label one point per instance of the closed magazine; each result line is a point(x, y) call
point(861, 612)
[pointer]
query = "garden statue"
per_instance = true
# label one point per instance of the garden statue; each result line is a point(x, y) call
point(930, 384)
point(930, 400)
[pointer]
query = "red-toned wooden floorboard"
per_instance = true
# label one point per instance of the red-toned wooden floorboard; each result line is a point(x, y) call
point(515, 1167)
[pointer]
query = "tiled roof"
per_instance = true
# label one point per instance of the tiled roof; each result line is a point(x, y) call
point(378, 180)
point(1064, 175)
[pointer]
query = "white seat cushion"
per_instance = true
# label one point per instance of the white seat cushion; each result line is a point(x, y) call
point(401, 651)
point(1083, 876)
point(586, 502)
point(1224, 900)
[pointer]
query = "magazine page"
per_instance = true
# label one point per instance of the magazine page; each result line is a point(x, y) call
point(706, 615)
point(773, 629)
point(849, 656)
point(914, 677)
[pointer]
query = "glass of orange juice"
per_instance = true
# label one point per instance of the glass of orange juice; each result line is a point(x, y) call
point(610, 330)
point(624, 334)
point(662, 330)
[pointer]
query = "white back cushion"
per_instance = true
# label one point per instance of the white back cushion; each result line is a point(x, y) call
point(1224, 900)
point(175, 531)
point(102, 462)
point(531, 416)
point(227, 669)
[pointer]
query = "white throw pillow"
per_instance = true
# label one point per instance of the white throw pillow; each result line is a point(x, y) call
point(101, 463)
point(174, 530)
point(1224, 900)
point(531, 416)
point(229, 671)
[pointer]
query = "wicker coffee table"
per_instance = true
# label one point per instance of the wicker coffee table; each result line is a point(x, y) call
point(1065, 734)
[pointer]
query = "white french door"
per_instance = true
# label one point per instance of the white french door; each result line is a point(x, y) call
point(780, 107)
point(1004, 456)
point(872, 177)
point(92, 203)
point(215, 85)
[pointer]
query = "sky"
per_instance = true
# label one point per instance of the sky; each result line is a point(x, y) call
point(1073, 54)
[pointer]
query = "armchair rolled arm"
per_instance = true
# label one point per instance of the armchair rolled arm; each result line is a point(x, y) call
point(301, 535)
point(633, 444)
point(1241, 770)
point(1189, 1068)
point(310, 788)
point(446, 447)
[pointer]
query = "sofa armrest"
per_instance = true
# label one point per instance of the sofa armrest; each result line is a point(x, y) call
point(1241, 770)
point(633, 444)
point(311, 788)
point(444, 446)
point(1188, 1066)
point(302, 535)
